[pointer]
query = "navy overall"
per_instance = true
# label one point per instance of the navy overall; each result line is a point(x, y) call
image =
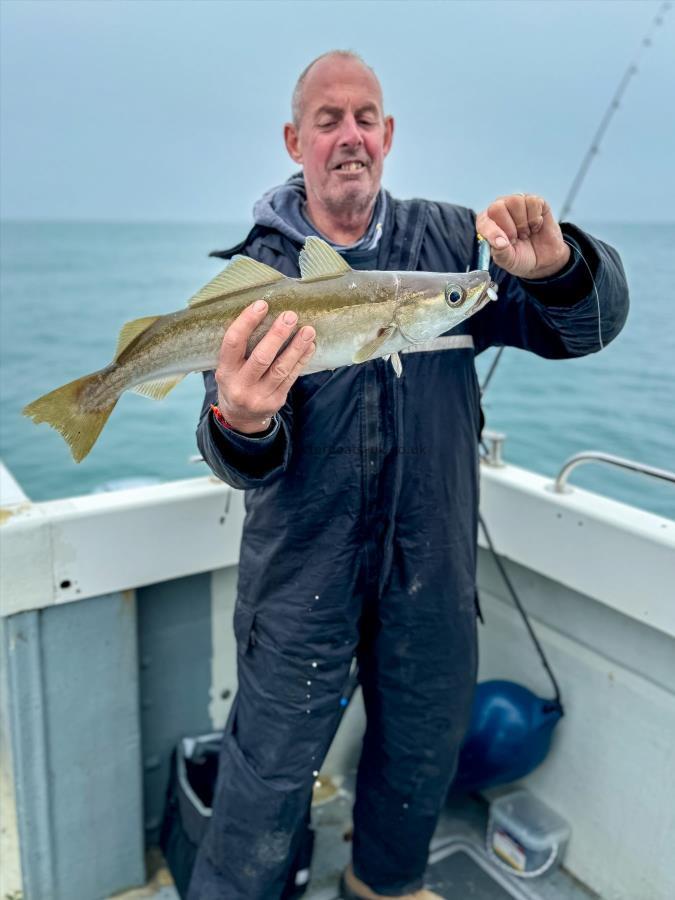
point(360, 539)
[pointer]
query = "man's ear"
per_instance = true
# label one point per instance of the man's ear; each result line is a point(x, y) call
point(292, 141)
point(388, 133)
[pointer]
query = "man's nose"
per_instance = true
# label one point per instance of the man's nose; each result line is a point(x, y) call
point(350, 134)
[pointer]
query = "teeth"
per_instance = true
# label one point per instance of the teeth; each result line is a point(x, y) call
point(351, 166)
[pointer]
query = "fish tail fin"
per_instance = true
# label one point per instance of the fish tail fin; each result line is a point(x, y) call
point(63, 410)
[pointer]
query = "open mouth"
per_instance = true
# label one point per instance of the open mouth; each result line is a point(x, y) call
point(488, 294)
point(353, 165)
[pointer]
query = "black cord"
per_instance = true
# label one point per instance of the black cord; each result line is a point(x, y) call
point(490, 373)
point(521, 610)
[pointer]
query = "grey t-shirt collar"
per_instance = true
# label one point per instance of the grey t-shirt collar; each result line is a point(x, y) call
point(283, 208)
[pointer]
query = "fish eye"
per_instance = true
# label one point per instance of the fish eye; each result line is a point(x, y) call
point(455, 295)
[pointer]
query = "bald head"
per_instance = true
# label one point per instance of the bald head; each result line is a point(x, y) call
point(322, 66)
point(340, 136)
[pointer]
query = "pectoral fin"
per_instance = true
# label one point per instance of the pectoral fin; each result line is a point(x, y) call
point(370, 349)
point(396, 363)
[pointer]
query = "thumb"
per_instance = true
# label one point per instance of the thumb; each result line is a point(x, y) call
point(501, 249)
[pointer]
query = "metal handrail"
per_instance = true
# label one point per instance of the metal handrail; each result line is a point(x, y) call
point(560, 486)
point(493, 442)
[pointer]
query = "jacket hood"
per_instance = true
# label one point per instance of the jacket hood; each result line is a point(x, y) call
point(283, 209)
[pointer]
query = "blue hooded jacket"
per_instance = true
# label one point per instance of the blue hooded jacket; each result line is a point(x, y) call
point(360, 464)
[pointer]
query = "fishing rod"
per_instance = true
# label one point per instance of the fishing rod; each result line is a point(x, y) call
point(483, 262)
point(594, 148)
point(615, 102)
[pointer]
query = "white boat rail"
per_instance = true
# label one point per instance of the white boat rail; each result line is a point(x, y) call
point(586, 456)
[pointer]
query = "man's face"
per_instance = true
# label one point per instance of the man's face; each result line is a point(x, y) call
point(342, 137)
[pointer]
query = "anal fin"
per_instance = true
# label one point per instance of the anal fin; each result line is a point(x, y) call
point(159, 387)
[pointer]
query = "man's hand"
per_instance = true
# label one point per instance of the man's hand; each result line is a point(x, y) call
point(251, 390)
point(524, 236)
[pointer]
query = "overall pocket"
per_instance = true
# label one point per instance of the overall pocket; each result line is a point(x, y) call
point(244, 622)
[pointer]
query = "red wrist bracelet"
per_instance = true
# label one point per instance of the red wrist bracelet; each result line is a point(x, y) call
point(223, 421)
point(221, 418)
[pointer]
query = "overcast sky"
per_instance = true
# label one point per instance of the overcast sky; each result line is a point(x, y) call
point(165, 110)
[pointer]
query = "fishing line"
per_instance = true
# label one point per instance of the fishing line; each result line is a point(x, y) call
point(597, 296)
point(631, 71)
point(594, 148)
point(498, 354)
point(591, 153)
point(495, 556)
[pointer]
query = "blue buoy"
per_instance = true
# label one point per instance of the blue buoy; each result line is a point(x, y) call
point(508, 737)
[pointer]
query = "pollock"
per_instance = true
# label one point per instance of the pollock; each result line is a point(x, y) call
point(357, 316)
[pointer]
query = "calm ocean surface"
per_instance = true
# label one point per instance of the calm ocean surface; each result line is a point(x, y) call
point(67, 289)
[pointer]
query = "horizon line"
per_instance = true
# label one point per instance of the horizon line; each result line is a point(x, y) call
point(14, 220)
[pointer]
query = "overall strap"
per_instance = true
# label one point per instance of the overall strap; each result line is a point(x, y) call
point(400, 247)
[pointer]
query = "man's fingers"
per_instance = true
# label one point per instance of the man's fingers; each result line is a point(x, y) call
point(496, 226)
point(264, 353)
point(517, 206)
point(295, 356)
point(510, 214)
point(512, 218)
point(248, 387)
point(283, 387)
point(501, 222)
point(233, 348)
point(493, 234)
point(535, 212)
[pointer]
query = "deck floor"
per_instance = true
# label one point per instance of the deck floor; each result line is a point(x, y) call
point(459, 868)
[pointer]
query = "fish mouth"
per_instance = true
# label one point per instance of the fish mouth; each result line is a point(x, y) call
point(488, 293)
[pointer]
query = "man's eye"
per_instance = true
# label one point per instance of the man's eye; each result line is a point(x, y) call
point(366, 122)
point(327, 124)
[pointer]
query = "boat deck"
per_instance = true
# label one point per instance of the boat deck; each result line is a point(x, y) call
point(459, 868)
point(97, 629)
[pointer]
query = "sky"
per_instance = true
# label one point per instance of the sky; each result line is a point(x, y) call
point(172, 111)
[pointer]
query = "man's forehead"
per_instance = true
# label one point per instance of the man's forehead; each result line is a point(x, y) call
point(335, 81)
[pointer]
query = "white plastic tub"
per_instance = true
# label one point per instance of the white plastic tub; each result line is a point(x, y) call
point(526, 836)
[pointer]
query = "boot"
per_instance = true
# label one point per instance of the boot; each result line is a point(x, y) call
point(352, 888)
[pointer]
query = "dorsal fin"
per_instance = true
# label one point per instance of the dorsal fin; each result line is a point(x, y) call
point(131, 330)
point(319, 260)
point(241, 274)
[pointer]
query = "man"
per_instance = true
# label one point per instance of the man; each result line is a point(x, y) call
point(362, 496)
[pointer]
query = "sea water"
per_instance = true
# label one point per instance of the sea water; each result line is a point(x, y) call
point(67, 288)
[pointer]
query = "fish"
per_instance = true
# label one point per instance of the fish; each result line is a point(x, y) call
point(357, 316)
